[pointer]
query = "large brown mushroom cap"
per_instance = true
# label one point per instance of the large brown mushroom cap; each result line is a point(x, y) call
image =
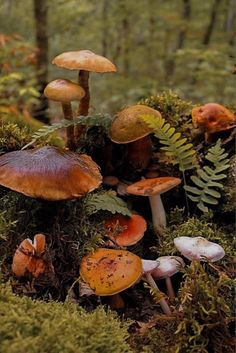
point(49, 173)
point(128, 126)
point(109, 271)
point(150, 187)
point(84, 60)
point(64, 91)
point(213, 117)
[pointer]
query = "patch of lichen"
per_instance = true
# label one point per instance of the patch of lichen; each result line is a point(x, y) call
point(195, 226)
point(174, 109)
point(36, 326)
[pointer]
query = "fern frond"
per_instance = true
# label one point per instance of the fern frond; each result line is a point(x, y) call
point(89, 121)
point(209, 178)
point(175, 145)
point(106, 201)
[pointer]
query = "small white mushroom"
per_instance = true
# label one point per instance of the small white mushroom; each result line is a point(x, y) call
point(199, 248)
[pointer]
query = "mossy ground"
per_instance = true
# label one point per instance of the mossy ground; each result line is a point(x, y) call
point(202, 312)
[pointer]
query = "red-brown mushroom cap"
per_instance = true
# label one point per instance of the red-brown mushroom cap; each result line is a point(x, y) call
point(125, 231)
point(49, 173)
point(128, 125)
point(213, 117)
point(150, 187)
point(84, 60)
point(109, 271)
point(64, 91)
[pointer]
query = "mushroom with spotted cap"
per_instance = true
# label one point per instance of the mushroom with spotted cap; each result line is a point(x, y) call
point(153, 188)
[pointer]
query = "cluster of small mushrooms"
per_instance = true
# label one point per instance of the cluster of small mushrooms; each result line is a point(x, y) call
point(54, 174)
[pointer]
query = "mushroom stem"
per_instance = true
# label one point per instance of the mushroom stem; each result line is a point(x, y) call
point(83, 81)
point(165, 307)
point(68, 115)
point(170, 290)
point(139, 152)
point(158, 212)
point(116, 301)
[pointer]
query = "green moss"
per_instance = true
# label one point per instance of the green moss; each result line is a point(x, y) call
point(38, 327)
point(229, 195)
point(13, 137)
point(174, 109)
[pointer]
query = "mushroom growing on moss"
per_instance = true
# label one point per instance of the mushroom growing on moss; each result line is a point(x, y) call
point(85, 61)
point(65, 91)
point(213, 117)
point(49, 173)
point(129, 128)
point(125, 231)
point(28, 257)
point(153, 188)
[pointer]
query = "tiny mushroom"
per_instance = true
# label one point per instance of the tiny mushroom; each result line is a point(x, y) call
point(85, 61)
point(28, 258)
point(125, 231)
point(213, 117)
point(149, 266)
point(49, 173)
point(65, 91)
point(199, 248)
point(129, 128)
point(168, 266)
point(153, 188)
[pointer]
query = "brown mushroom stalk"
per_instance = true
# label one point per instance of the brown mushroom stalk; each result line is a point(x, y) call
point(68, 115)
point(139, 152)
point(83, 81)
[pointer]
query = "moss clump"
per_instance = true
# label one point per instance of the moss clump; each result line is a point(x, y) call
point(174, 109)
point(37, 327)
point(13, 137)
point(229, 195)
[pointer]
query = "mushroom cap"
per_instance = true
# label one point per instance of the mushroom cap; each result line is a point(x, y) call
point(110, 180)
point(128, 126)
point(110, 271)
point(84, 60)
point(64, 91)
point(49, 173)
point(39, 244)
point(168, 266)
point(154, 186)
point(199, 248)
point(149, 265)
point(22, 257)
point(213, 117)
point(125, 231)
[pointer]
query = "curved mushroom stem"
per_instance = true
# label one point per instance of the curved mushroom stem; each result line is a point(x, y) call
point(139, 152)
point(170, 290)
point(68, 115)
point(116, 301)
point(165, 307)
point(158, 212)
point(83, 81)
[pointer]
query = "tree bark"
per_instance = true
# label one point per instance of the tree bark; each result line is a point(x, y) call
point(212, 22)
point(105, 8)
point(41, 27)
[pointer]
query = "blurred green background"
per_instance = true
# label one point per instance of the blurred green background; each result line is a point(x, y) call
point(184, 45)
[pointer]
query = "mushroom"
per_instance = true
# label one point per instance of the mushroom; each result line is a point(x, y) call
point(109, 272)
point(168, 266)
point(129, 128)
point(28, 257)
point(213, 117)
point(153, 188)
point(85, 61)
point(149, 266)
point(49, 173)
point(199, 248)
point(125, 231)
point(65, 91)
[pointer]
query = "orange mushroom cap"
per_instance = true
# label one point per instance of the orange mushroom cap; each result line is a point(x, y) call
point(213, 117)
point(49, 173)
point(150, 187)
point(28, 257)
point(125, 231)
point(84, 60)
point(109, 271)
point(64, 91)
point(128, 126)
